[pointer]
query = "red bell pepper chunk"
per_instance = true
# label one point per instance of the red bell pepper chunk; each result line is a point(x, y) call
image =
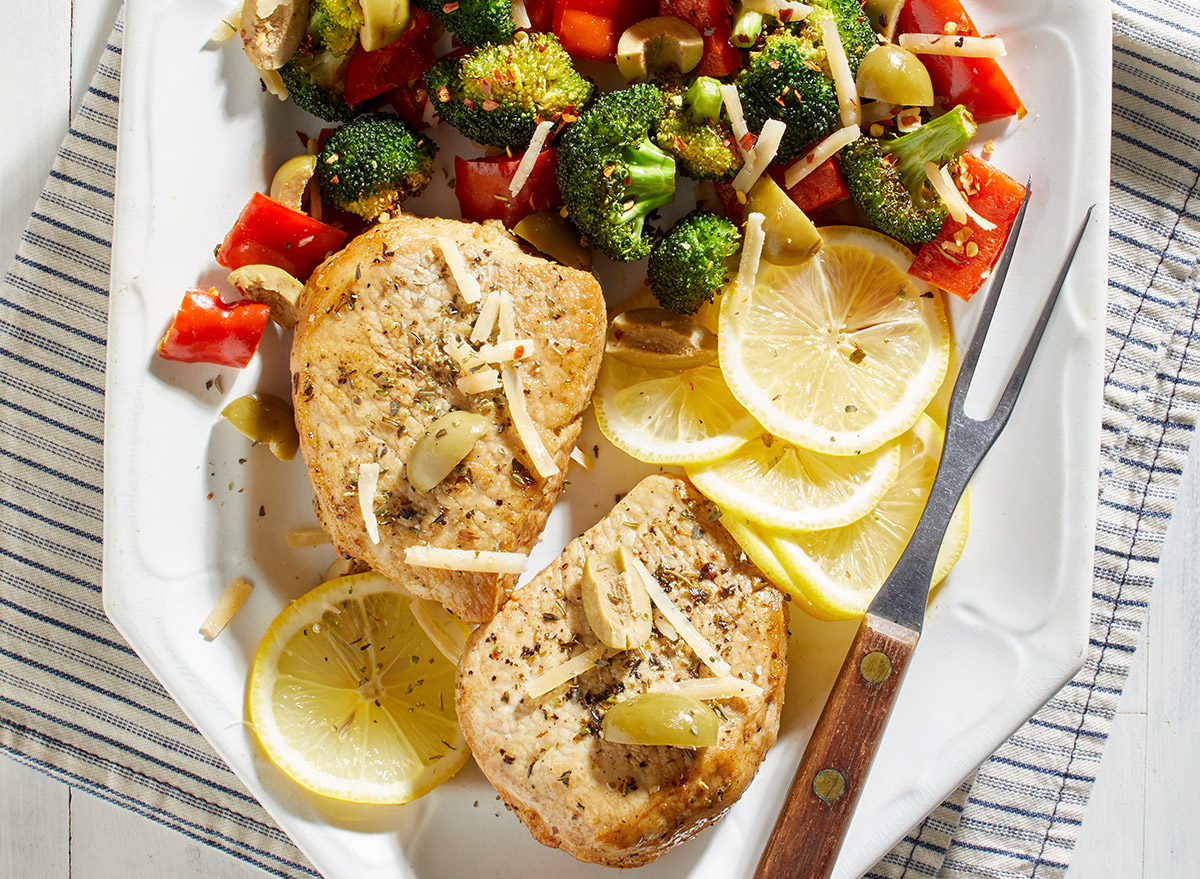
point(481, 186)
point(822, 187)
point(714, 20)
point(590, 28)
point(206, 330)
point(370, 74)
point(733, 206)
point(541, 14)
point(269, 233)
point(960, 261)
point(977, 83)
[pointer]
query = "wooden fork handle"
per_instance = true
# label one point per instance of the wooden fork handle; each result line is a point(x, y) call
point(808, 833)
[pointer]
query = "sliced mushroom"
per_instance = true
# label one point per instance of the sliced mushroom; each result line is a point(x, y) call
point(658, 43)
point(383, 22)
point(271, 286)
point(656, 338)
point(291, 180)
point(272, 31)
point(615, 602)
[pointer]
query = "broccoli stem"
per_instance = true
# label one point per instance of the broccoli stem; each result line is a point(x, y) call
point(746, 28)
point(651, 176)
point(937, 141)
point(703, 98)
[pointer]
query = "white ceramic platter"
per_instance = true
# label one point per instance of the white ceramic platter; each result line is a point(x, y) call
point(189, 506)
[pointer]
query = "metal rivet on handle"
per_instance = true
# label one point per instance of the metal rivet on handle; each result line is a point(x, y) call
point(875, 667)
point(829, 784)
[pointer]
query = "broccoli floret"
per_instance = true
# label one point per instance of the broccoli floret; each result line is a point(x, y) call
point(373, 163)
point(690, 264)
point(854, 27)
point(473, 22)
point(695, 132)
point(887, 177)
point(786, 80)
point(498, 93)
point(335, 23)
point(314, 83)
point(612, 175)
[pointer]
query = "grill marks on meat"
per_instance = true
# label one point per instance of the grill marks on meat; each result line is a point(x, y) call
point(607, 803)
point(369, 373)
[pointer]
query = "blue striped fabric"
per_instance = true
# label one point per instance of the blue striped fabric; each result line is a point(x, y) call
point(76, 702)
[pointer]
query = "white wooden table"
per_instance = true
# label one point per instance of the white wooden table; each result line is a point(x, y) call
point(1140, 822)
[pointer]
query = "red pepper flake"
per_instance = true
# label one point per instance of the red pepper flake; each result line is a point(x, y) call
point(468, 103)
point(677, 145)
point(749, 139)
point(447, 8)
point(773, 64)
point(489, 104)
point(443, 94)
point(609, 169)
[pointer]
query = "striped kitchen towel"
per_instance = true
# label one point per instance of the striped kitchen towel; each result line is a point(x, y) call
point(76, 702)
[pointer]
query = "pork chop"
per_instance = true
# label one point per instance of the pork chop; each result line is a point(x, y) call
point(370, 371)
point(617, 804)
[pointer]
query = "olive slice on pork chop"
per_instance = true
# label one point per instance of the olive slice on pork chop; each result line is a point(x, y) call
point(383, 349)
point(540, 737)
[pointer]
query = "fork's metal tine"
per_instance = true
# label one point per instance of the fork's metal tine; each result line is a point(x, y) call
point(971, 358)
point(1009, 398)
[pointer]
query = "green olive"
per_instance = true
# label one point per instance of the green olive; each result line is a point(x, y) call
point(896, 76)
point(661, 719)
point(883, 15)
point(655, 338)
point(265, 418)
point(442, 447)
point(791, 236)
point(615, 603)
point(556, 237)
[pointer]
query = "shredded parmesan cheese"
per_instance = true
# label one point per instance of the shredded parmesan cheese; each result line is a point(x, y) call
point(952, 44)
point(780, 9)
point(878, 111)
point(228, 26)
point(273, 82)
point(508, 323)
point(709, 688)
point(520, 15)
point(479, 382)
point(956, 202)
point(761, 155)
point(514, 391)
point(368, 482)
point(486, 322)
point(560, 674)
point(441, 627)
point(737, 119)
point(529, 159)
point(843, 79)
point(468, 286)
point(306, 537)
point(508, 352)
point(580, 458)
point(227, 605)
point(691, 636)
point(819, 154)
point(751, 256)
point(475, 560)
point(664, 627)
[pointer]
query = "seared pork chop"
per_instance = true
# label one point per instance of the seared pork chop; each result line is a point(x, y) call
point(370, 371)
point(617, 804)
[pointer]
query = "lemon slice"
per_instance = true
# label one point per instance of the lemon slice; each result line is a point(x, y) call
point(670, 417)
point(753, 541)
point(838, 571)
point(772, 482)
point(351, 699)
point(841, 353)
